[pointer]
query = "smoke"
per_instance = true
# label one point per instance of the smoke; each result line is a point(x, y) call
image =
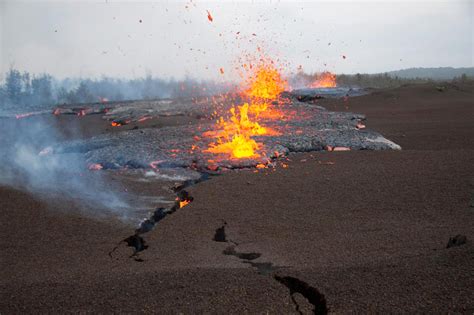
point(300, 80)
point(26, 163)
point(26, 158)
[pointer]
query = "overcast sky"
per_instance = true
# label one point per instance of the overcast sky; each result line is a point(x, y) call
point(174, 39)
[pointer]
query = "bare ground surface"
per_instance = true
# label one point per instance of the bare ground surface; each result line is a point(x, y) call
point(368, 230)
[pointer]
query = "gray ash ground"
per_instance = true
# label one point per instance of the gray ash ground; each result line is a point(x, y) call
point(306, 127)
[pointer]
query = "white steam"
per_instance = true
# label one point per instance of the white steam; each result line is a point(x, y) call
point(26, 163)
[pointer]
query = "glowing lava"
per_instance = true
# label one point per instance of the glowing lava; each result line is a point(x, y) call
point(234, 135)
point(240, 146)
point(266, 83)
point(262, 87)
point(183, 203)
point(325, 80)
point(239, 123)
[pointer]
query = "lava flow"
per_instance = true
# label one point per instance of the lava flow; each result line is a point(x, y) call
point(325, 80)
point(234, 134)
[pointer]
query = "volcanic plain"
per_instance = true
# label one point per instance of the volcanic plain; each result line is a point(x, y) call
point(313, 230)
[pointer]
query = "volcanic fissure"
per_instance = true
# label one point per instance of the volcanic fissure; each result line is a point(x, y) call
point(294, 285)
point(136, 241)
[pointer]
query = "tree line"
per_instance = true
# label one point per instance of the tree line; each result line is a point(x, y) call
point(385, 80)
point(21, 89)
point(361, 80)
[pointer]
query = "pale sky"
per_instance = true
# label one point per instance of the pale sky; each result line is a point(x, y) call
point(174, 39)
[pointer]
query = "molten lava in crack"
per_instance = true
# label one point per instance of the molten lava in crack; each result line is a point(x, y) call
point(325, 80)
point(183, 203)
point(234, 135)
point(183, 199)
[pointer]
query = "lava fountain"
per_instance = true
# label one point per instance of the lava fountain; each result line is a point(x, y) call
point(325, 80)
point(263, 87)
point(234, 134)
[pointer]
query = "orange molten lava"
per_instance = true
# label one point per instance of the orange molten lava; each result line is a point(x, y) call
point(183, 203)
point(266, 83)
point(209, 16)
point(240, 123)
point(325, 80)
point(240, 146)
point(263, 86)
point(234, 135)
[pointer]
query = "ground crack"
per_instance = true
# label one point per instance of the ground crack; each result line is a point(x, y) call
point(136, 241)
point(312, 294)
point(263, 268)
point(295, 285)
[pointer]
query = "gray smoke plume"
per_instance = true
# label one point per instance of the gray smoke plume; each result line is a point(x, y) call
point(26, 163)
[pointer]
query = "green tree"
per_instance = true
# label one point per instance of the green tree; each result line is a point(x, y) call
point(42, 89)
point(13, 85)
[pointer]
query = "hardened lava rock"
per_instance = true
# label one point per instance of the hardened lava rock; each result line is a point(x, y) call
point(303, 128)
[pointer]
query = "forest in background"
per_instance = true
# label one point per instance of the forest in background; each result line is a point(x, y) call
point(390, 79)
point(26, 91)
point(22, 90)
